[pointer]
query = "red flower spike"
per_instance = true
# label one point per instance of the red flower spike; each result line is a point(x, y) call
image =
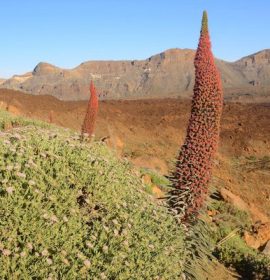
point(194, 163)
point(91, 113)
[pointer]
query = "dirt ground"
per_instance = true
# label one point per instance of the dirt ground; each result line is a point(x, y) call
point(150, 133)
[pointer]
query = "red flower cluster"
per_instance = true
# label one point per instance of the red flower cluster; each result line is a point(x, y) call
point(91, 113)
point(194, 164)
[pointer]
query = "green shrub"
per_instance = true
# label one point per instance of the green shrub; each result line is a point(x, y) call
point(71, 210)
point(157, 179)
point(229, 218)
point(234, 252)
point(249, 263)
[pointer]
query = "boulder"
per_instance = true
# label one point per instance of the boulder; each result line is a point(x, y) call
point(14, 110)
point(158, 193)
point(259, 237)
point(146, 179)
point(266, 249)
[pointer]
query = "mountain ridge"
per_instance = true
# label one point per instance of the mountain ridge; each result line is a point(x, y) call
point(166, 74)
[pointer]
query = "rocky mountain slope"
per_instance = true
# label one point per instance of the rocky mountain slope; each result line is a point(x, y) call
point(168, 74)
point(255, 68)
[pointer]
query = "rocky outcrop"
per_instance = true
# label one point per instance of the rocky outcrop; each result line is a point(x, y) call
point(266, 249)
point(259, 237)
point(255, 68)
point(168, 74)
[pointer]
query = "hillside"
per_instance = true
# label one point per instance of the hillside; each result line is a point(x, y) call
point(168, 74)
point(150, 132)
point(78, 175)
point(72, 210)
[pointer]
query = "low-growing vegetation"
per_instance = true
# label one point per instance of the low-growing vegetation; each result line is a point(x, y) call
point(227, 233)
point(161, 181)
point(71, 210)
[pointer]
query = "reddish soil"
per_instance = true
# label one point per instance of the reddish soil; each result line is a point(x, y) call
point(150, 132)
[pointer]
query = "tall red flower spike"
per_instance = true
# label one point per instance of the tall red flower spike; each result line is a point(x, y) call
point(91, 113)
point(194, 163)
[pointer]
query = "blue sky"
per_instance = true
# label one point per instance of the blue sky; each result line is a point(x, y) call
point(68, 32)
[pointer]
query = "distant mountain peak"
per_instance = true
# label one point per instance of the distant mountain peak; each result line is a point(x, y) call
point(174, 52)
point(44, 68)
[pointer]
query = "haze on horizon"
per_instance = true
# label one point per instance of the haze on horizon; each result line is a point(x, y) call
point(66, 33)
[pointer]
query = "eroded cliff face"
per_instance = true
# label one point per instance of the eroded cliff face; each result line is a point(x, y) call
point(256, 68)
point(168, 74)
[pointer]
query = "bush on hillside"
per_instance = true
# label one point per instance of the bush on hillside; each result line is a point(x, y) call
point(234, 252)
point(71, 210)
